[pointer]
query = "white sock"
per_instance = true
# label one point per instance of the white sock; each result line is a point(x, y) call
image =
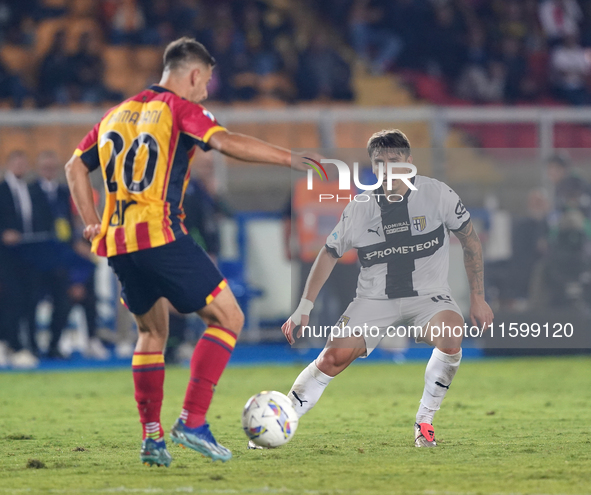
point(440, 371)
point(308, 388)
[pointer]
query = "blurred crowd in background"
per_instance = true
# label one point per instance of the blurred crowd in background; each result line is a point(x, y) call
point(550, 263)
point(450, 51)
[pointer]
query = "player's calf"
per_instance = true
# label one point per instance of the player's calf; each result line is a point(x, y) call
point(311, 382)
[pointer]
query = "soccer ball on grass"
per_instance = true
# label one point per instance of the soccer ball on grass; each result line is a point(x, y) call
point(269, 419)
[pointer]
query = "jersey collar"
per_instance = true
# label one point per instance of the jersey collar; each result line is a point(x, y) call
point(384, 203)
point(160, 89)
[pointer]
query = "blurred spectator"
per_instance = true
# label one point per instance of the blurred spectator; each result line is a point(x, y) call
point(372, 37)
point(512, 23)
point(12, 87)
point(486, 84)
point(445, 38)
point(322, 73)
point(530, 244)
point(563, 279)
point(16, 276)
point(52, 213)
point(87, 73)
point(82, 289)
point(570, 64)
point(55, 73)
point(203, 213)
point(570, 190)
point(127, 23)
point(560, 19)
point(224, 49)
point(518, 84)
point(477, 52)
point(184, 16)
point(82, 292)
point(411, 20)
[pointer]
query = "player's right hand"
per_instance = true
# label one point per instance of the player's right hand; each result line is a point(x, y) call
point(91, 231)
point(301, 316)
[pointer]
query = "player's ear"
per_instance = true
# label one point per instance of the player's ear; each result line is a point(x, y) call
point(409, 159)
point(195, 74)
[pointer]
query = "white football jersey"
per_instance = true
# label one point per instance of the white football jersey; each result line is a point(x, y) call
point(403, 247)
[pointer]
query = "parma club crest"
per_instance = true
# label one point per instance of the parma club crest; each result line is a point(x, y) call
point(419, 223)
point(342, 323)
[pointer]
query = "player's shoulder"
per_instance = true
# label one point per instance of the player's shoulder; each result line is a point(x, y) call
point(429, 183)
point(433, 188)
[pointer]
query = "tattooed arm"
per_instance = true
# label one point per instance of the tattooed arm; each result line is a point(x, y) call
point(480, 312)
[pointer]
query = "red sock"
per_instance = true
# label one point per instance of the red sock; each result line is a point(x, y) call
point(148, 378)
point(209, 360)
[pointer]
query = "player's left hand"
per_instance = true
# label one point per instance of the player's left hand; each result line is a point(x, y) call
point(301, 317)
point(480, 313)
point(91, 231)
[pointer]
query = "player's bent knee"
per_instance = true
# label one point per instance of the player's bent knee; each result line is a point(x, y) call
point(235, 320)
point(227, 315)
point(149, 329)
point(450, 350)
point(333, 360)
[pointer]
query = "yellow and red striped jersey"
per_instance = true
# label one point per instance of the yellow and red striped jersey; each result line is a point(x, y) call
point(144, 147)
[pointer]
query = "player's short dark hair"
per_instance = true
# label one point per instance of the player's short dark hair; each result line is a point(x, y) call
point(185, 50)
point(388, 139)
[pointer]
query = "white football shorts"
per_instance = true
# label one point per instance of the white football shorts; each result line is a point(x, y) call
point(396, 319)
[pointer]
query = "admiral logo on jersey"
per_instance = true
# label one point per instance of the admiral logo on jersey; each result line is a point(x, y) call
point(396, 227)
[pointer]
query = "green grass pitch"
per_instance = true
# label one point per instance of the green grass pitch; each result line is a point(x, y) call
point(506, 427)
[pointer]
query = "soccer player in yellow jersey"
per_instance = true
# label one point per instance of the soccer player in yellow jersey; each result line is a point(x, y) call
point(143, 147)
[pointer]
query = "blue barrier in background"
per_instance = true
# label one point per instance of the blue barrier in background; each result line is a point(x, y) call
point(249, 355)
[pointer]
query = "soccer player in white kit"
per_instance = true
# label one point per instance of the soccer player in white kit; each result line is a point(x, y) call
point(402, 240)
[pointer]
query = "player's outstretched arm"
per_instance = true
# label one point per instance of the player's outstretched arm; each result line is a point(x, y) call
point(81, 190)
point(250, 149)
point(321, 270)
point(480, 312)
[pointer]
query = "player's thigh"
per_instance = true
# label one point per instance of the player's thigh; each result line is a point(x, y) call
point(183, 273)
point(361, 327)
point(138, 291)
point(436, 320)
point(223, 311)
point(445, 330)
